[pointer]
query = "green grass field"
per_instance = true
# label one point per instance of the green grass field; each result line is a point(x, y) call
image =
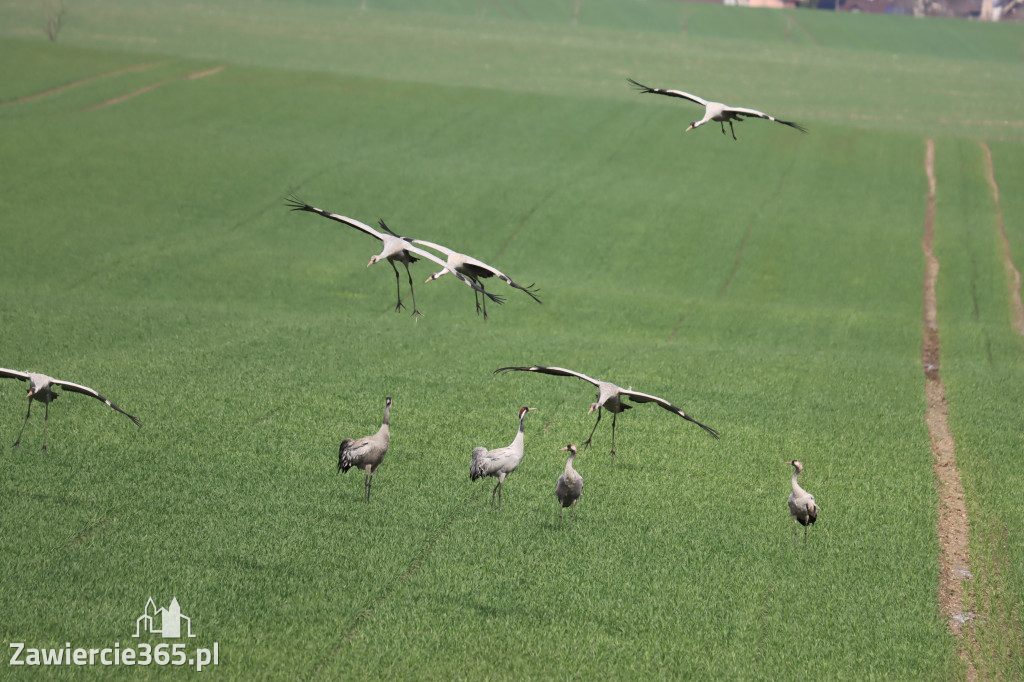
point(771, 287)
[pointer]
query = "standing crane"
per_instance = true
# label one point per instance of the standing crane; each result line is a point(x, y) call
point(393, 249)
point(500, 462)
point(569, 486)
point(801, 503)
point(716, 111)
point(470, 267)
point(609, 397)
point(40, 387)
point(367, 453)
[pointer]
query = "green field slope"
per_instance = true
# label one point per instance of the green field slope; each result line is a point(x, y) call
point(770, 286)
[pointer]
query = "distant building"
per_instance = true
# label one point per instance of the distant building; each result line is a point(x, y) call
point(771, 4)
point(985, 10)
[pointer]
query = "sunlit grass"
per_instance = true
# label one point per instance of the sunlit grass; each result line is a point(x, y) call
point(771, 287)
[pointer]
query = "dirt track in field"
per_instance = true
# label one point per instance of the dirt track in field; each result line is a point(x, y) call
point(153, 86)
point(81, 81)
point(954, 564)
point(1012, 273)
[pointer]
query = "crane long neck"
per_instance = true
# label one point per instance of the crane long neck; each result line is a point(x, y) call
point(796, 486)
point(387, 414)
point(517, 442)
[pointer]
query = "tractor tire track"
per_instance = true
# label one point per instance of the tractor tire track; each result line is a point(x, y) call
point(1012, 273)
point(952, 530)
point(554, 189)
point(393, 586)
point(737, 261)
point(82, 81)
point(153, 86)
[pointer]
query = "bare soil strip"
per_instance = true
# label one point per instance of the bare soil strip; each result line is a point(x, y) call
point(153, 86)
point(804, 29)
point(1012, 273)
point(954, 566)
point(82, 81)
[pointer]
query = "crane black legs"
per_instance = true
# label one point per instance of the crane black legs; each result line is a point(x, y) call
point(572, 512)
point(23, 424)
point(497, 489)
point(795, 532)
point(415, 311)
point(476, 297)
point(586, 443)
point(614, 415)
point(368, 483)
point(46, 421)
point(398, 288)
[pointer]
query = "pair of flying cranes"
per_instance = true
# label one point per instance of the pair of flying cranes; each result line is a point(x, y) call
point(367, 453)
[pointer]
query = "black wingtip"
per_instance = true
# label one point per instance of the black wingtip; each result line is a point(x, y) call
point(643, 88)
point(531, 290)
point(713, 432)
point(793, 124)
point(296, 204)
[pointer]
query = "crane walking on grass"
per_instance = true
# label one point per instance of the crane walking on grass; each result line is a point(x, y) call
point(801, 504)
point(569, 486)
point(470, 267)
point(500, 462)
point(716, 111)
point(367, 453)
point(609, 397)
point(40, 387)
point(394, 249)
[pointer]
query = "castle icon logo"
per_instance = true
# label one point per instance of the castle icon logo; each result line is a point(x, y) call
point(170, 621)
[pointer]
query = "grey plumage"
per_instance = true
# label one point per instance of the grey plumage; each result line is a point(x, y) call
point(393, 249)
point(716, 111)
point(569, 486)
point(475, 270)
point(500, 462)
point(40, 387)
point(802, 506)
point(367, 453)
point(610, 397)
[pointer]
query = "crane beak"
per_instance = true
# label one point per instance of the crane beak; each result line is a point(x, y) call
point(689, 128)
point(372, 261)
